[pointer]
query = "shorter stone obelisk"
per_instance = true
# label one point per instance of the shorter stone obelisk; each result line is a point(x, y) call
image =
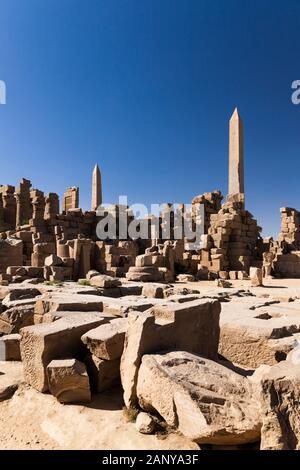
point(96, 188)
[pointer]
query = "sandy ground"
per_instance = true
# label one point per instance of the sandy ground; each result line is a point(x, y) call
point(32, 420)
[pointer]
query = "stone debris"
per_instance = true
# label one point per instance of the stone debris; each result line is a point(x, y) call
point(144, 423)
point(68, 381)
point(207, 402)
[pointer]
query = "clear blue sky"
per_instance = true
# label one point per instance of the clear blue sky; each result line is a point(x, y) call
point(145, 88)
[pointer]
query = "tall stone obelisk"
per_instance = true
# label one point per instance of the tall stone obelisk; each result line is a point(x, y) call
point(236, 155)
point(96, 188)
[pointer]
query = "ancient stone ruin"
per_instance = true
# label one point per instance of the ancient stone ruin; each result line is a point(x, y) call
point(200, 343)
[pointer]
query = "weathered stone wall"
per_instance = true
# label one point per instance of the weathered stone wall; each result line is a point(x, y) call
point(11, 253)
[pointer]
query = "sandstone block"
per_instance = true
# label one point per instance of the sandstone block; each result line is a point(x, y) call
point(53, 260)
point(107, 341)
point(68, 381)
point(10, 348)
point(103, 374)
point(208, 402)
point(42, 343)
point(191, 326)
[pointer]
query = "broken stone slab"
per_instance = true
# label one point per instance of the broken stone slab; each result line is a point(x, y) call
point(191, 326)
point(122, 307)
point(70, 316)
point(279, 389)
point(107, 341)
point(68, 381)
point(145, 274)
point(68, 302)
point(104, 281)
point(15, 318)
point(11, 376)
point(256, 277)
point(16, 270)
point(103, 374)
point(20, 303)
point(155, 291)
point(10, 348)
point(20, 293)
point(264, 335)
point(207, 402)
point(144, 423)
point(53, 260)
point(42, 343)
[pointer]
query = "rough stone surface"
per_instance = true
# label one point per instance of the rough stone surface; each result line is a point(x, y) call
point(280, 397)
point(40, 344)
point(10, 348)
point(155, 291)
point(144, 423)
point(107, 341)
point(191, 326)
point(68, 381)
point(208, 403)
point(103, 374)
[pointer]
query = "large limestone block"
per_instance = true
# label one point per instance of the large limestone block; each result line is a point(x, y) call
point(122, 307)
point(280, 397)
point(42, 343)
point(191, 326)
point(209, 403)
point(68, 381)
point(103, 374)
point(107, 341)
